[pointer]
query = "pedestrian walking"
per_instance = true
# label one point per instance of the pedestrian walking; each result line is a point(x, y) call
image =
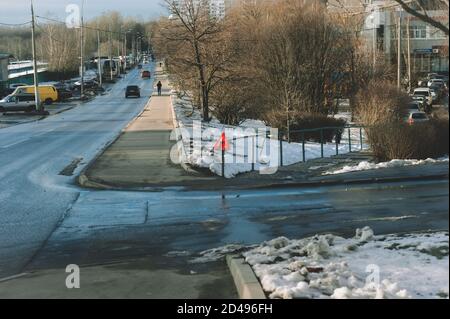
point(159, 86)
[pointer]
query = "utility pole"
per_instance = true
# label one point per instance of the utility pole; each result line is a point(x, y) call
point(110, 54)
point(82, 52)
point(119, 66)
point(409, 52)
point(37, 98)
point(99, 61)
point(125, 66)
point(374, 41)
point(399, 51)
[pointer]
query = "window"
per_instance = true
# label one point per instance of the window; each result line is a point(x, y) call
point(418, 32)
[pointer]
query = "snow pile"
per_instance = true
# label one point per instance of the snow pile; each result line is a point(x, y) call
point(365, 165)
point(250, 142)
point(366, 266)
point(215, 254)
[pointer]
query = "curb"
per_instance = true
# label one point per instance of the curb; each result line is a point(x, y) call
point(247, 285)
point(82, 179)
point(350, 181)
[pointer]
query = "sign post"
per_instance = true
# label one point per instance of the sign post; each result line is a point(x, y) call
point(224, 146)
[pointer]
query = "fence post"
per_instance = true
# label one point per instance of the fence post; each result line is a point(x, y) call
point(253, 153)
point(361, 137)
point(337, 141)
point(321, 143)
point(256, 144)
point(349, 141)
point(223, 160)
point(280, 139)
point(303, 146)
point(234, 150)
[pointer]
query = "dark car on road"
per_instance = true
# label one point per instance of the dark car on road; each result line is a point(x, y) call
point(146, 74)
point(132, 90)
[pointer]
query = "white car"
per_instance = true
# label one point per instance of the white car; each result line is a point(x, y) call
point(434, 95)
point(16, 103)
point(433, 81)
point(426, 93)
point(417, 117)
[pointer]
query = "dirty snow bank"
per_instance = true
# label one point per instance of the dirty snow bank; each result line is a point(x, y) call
point(365, 266)
point(365, 165)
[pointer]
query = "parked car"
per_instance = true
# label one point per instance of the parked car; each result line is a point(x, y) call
point(47, 93)
point(16, 103)
point(146, 74)
point(426, 93)
point(139, 66)
point(417, 117)
point(439, 88)
point(16, 85)
point(415, 106)
point(132, 90)
point(434, 95)
point(432, 81)
point(88, 84)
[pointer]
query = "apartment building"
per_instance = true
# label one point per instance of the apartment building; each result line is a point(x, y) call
point(381, 21)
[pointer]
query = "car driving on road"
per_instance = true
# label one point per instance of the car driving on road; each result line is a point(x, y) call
point(146, 74)
point(132, 90)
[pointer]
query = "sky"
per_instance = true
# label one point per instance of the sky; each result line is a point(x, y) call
point(17, 11)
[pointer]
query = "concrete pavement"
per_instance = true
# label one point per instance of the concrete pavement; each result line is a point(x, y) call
point(141, 154)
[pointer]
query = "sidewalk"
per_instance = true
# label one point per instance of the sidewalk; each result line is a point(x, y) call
point(140, 157)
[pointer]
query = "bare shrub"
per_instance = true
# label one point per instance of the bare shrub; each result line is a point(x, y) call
point(381, 103)
point(403, 141)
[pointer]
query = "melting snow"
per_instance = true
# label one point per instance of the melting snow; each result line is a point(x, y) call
point(366, 266)
point(362, 166)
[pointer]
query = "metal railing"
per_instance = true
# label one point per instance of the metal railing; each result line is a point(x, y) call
point(248, 149)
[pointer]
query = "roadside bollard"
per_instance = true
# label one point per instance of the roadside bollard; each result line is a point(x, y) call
point(303, 146)
point(349, 141)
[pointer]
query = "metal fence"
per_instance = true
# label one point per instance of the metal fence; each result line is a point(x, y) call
point(250, 148)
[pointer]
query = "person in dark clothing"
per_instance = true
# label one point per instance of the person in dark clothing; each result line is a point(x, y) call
point(159, 86)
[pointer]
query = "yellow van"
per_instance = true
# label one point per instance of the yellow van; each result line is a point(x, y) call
point(47, 93)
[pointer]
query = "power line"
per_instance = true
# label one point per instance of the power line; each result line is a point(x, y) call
point(14, 24)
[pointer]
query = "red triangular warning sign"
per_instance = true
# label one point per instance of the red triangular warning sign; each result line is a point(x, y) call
point(222, 143)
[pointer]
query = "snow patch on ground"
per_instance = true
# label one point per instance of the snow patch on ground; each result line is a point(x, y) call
point(365, 165)
point(215, 254)
point(249, 143)
point(365, 266)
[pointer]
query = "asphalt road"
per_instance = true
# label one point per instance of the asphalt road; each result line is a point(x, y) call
point(36, 180)
point(111, 226)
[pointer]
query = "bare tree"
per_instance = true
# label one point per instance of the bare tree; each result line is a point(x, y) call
point(193, 39)
point(420, 8)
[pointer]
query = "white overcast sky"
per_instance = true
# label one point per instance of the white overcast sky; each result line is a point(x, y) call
point(17, 11)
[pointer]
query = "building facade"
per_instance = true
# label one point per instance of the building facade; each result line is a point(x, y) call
point(426, 46)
